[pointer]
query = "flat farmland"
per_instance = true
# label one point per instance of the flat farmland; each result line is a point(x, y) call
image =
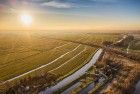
point(88, 38)
point(20, 66)
point(23, 55)
point(75, 62)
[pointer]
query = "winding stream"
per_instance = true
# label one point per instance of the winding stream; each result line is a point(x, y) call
point(74, 76)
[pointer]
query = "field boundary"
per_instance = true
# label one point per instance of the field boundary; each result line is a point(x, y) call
point(79, 67)
point(40, 66)
point(69, 59)
point(34, 54)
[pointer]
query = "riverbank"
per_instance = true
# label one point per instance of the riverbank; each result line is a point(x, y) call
point(137, 88)
point(125, 80)
point(74, 76)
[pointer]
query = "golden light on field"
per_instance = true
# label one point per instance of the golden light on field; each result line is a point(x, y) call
point(26, 18)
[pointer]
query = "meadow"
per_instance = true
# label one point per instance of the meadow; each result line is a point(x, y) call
point(32, 54)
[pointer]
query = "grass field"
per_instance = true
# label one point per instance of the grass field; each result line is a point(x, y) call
point(27, 54)
point(95, 38)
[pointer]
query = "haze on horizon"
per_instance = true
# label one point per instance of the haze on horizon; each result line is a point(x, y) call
point(71, 14)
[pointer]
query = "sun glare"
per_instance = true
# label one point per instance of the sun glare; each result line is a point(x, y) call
point(26, 19)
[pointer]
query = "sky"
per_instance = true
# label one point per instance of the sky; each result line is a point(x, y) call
point(71, 14)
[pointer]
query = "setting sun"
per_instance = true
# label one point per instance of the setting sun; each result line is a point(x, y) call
point(26, 18)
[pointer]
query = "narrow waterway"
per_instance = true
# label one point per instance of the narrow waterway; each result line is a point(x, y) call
point(137, 88)
point(91, 86)
point(74, 76)
point(70, 89)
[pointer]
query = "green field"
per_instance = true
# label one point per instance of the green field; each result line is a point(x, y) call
point(27, 54)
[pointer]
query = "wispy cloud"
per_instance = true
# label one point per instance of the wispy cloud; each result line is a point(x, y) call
point(111, 1)
point(57, 4)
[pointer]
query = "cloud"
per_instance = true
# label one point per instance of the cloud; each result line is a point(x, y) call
point(104, 0)
point(57, 4)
